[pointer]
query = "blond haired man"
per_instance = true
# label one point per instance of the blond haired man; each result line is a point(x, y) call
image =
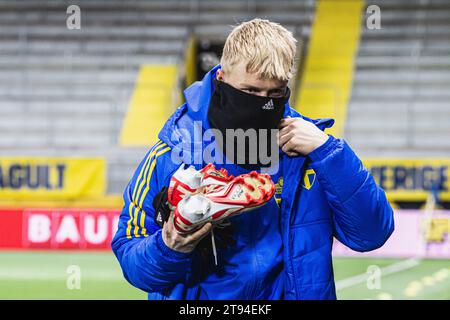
point(281, 250)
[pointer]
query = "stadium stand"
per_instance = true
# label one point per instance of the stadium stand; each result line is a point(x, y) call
point(65, 92)
point(400, 102)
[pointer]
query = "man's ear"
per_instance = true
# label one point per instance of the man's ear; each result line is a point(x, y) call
point(220, 75)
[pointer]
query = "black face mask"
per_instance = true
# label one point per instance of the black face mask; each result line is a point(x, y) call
point(230, 108)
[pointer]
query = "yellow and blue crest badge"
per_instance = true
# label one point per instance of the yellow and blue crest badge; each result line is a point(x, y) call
point(308, 179)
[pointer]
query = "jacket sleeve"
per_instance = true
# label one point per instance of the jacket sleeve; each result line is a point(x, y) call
point(363, 218)
point(147, 263)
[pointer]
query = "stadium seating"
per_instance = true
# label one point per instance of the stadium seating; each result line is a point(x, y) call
point(400, 102)
point(65, 92)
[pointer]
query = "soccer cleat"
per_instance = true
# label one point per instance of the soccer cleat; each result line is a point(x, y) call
point(189, 181)
point(243, 193)
point(183, 182)
point(212, 178)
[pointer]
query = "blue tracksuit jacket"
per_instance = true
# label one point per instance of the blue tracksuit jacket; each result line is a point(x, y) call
point(279, 252)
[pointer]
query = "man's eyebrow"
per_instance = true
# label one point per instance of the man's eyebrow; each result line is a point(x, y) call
point(278, 88)
point(248, 86)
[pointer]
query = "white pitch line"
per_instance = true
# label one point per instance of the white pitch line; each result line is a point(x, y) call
point(390, 269)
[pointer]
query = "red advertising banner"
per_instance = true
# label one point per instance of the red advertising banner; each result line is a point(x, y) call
point(416, 234)
point(57, 228)
point(10, 229)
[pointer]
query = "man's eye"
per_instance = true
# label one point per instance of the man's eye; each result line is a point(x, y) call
point(276, 94)
point(250, 90)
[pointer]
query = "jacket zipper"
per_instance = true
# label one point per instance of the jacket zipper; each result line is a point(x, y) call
point(255, 264)
point(287, 224)
point(289, 217)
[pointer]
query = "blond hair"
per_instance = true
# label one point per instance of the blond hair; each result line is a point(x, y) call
point(267, 48)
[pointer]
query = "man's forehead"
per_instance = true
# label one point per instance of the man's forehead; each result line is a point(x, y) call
point(252, 80)
point(241, 77)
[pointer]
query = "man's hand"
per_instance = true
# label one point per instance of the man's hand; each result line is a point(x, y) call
point(183, 242)
point(299, 137)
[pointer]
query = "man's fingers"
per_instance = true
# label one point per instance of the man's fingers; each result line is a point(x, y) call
point(284, 131)
point(288, 149)
point(285, 122)
point(285, 135)
point(199, 234)
point(288, 120)
point(169, 223)
point(283, 138)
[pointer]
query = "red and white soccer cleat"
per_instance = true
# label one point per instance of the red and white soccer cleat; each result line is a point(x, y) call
point(212, 178)
point(183, 182)
point(189, 181)
point(243, 193)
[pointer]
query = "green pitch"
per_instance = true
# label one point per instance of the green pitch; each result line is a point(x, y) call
point(425, 279)
point(49, 275)
point(54, 275)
